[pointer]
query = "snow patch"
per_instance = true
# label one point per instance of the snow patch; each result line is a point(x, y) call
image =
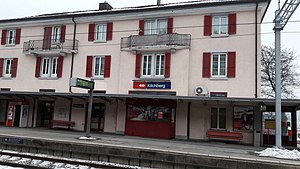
point(86, 138)
point(280, 153)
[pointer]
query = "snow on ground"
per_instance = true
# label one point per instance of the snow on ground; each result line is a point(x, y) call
point(280, 153)
point(87, 138)
point(8, 167)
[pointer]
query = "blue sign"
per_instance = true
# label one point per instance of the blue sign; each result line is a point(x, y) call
point(158, 85)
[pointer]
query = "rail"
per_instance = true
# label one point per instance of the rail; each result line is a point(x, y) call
point(46, 45)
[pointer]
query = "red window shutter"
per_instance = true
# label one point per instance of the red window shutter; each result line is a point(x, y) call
point(170, 25)
point(142, 27)
point(231, 64)
point(1, 66)
point(14, 67)
point(109, 32)
point(206, 65)
point(167, 64)
point(207, 25)
point(232, 24)
point(47, 37)
point(89, 66)
point(107, 66)
point(62, 33)
point(60, 66)
point(91, 32)
point(138, 65)
point(37, 66)
point(3, 37)
point(18, 36)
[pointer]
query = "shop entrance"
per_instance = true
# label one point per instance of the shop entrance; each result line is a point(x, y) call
point(45, 114)
point(97, 118)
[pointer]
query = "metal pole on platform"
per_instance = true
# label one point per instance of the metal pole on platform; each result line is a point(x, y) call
point(277, 29)
point(89, 116)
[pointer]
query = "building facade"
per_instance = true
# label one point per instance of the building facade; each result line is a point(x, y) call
point(165, 71)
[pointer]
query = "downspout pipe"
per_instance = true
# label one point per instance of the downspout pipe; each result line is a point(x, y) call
point(73, 53)
point(256, 48)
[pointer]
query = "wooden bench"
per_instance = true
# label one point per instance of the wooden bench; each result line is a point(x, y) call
point(224, 135)
point(62, 123)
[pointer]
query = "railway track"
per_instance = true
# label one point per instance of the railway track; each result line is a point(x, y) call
point(39, 161)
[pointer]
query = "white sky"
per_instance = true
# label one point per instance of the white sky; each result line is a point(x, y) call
point(21, 8)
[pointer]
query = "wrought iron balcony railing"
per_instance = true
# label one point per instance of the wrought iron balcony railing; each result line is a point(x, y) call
point(47, 47)
point(139, 41)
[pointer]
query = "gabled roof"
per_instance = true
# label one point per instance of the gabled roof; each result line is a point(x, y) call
point(168, 6)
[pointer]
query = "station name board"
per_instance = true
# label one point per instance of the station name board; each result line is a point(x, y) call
point(82, 83)
point(152, 85)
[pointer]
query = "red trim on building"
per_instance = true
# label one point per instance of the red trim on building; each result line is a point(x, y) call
point(206, 65)
point(109, 32)
point(3, 37)
point(91, 32)
point(14, 67)
point(62, 33)
point(18, 36)
point(60, 66)
point(37, 66)
point(89, 66)
point(1, 66)
point(207, 25)
point(232, 24)
point(142, 27)
point(231, 64)
point(170, 25)
point(138, 63)
point(107, 66)
point(167, 64)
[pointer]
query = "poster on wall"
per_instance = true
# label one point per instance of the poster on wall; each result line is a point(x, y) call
point(243, 118)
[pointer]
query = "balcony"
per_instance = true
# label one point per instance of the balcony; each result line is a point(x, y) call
point(156, 42)
point(48, 48)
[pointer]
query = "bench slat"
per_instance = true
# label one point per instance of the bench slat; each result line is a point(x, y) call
point(226, 135)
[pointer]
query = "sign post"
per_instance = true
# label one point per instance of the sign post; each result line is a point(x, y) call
point(86, 84)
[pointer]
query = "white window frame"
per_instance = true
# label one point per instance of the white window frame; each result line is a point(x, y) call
point(56, 35)
point(101, 65)
point(218, 118)
point(219, 65)
point(154, 28)
point(100, 32)
point(153, 66)
point(218, 25)
point(11, 32)
point(51, 67)
point(7, 67)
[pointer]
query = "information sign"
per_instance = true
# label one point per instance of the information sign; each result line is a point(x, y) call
point(82, 83)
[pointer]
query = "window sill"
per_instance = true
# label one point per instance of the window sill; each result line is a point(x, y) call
point(48, 78)
point(152, 78)
point(100, 41)
point(220, 36)
point(10, 45)
point(6, 78)
point(218, 78)
point(97, 78)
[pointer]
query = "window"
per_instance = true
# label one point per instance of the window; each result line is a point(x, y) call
point(49, 67)
point(100, 32)
point(156, 27)
point(56, 34)
point(220, 25)
point(98, 67)
point(11, 37)
point(150, 113)
point(219, 65)
point(218, 118)
point(7, 67)
point(153, 65)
